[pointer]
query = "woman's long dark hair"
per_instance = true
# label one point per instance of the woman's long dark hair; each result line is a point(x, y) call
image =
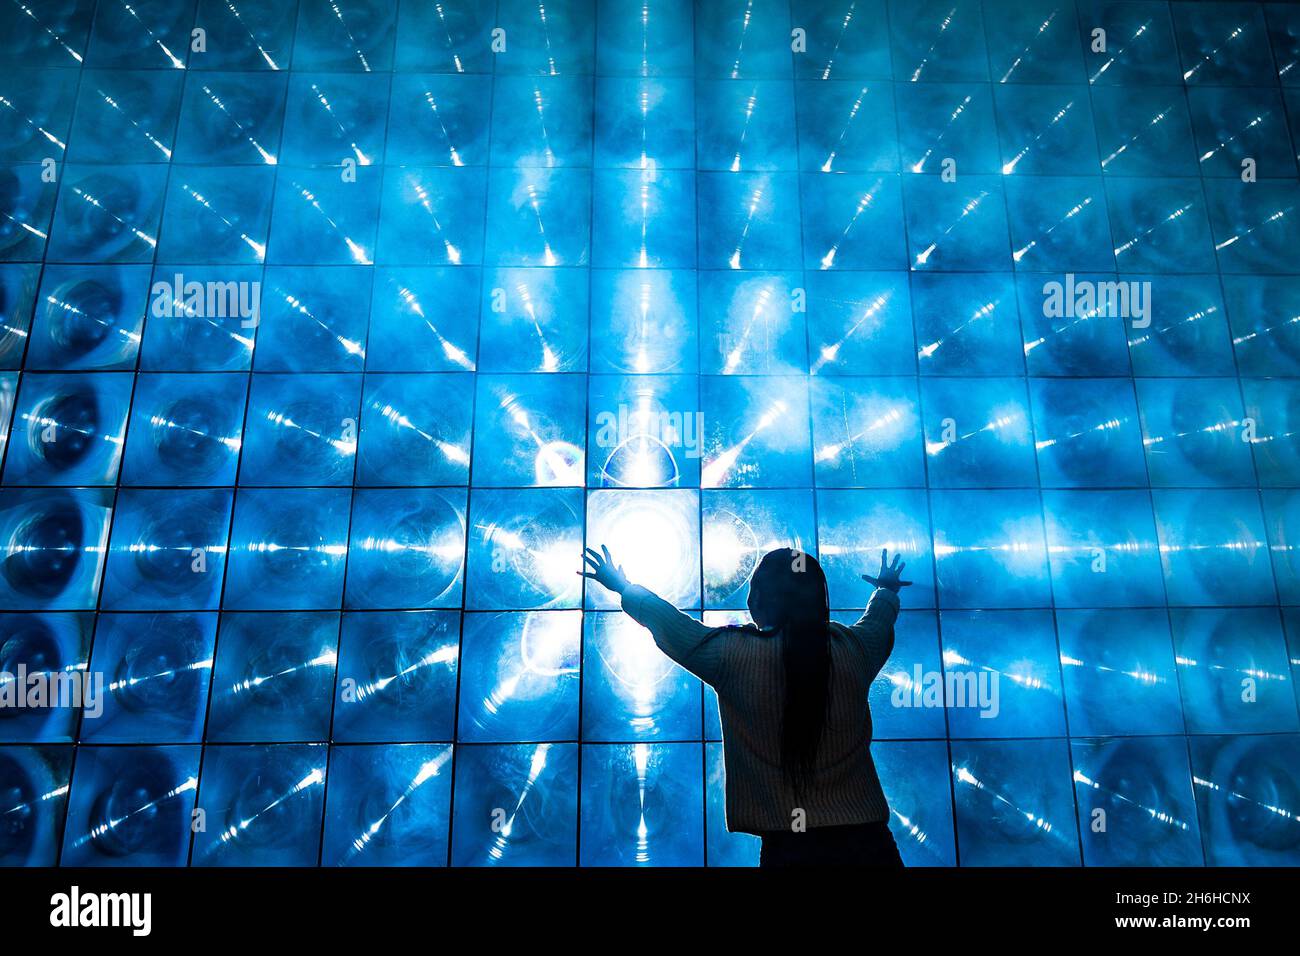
point(790, 587)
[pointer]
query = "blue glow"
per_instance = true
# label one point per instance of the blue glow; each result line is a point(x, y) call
point(643, 805)
point(56, 543)
point(388, 806)
point(739, 527)
point(89, 318)
point(307, 325)
point(263, 806)
point(36, 783)
point(1014, 803)
point(288, 549)
point(899, 707)
point(863, 433)
point(406, 549)
point(329, 342)
point(168, 550)
point(724, 848)
point(525, 557)
point(1118, 669)
point(516, 805)
point(1026, 670)
point(519, 677)
point(185, 428)
point(920, 805)
point(297, 430)
point(1233, 670)
point(1246, 794)
point(272, 676)
point(633, 692)
point(68, 429)
point(854, 526)
point(49, 645)
point(108, 215)
point(131, 806)
point(157, 670)
point(1102, 549)
point(977, 433)
point(397, 676)
point(989, 549)
point(1135, 794)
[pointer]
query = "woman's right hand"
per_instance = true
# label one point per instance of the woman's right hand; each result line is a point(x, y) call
point(604, 571)
point(889, 576)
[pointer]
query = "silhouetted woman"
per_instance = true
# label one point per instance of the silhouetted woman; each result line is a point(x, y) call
point(792, 691)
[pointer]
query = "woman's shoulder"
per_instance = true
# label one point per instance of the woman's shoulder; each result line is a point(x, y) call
point(752, 630)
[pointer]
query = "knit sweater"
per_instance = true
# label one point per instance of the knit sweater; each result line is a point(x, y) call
point(747, 671)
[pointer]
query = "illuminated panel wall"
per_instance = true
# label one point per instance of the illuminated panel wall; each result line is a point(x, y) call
point(332, 331)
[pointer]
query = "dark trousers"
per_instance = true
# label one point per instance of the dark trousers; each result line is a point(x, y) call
point(862, 844)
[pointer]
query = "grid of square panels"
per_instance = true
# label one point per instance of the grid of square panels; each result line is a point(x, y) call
point(333, 330)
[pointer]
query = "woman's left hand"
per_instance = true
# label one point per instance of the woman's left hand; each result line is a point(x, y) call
point(604, 571)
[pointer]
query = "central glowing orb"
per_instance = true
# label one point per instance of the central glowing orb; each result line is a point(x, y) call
point(654, 535)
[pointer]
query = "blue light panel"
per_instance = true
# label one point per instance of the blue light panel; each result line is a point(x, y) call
point(332, 330)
